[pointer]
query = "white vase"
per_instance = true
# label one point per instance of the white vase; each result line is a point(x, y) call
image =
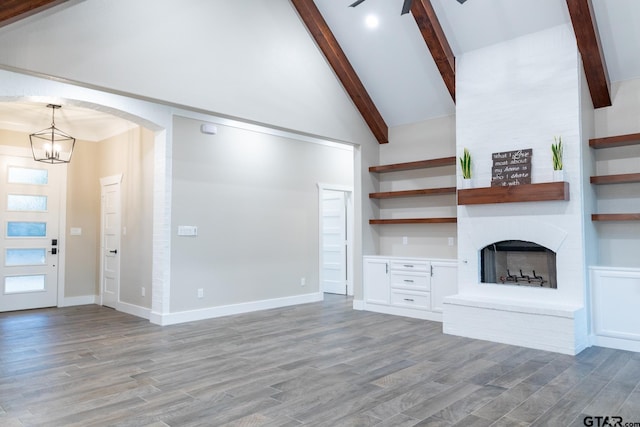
point(558, 175)
point(466, 183)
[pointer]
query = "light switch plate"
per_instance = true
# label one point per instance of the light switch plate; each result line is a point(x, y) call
point(187, 230)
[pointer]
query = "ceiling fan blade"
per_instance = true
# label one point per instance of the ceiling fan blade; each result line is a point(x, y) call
point(406, 7)
point(355, 3)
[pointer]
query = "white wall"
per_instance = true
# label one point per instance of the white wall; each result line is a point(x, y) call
point(429, 139)
point(254, 198)
point(587, 118)
point(513, 95)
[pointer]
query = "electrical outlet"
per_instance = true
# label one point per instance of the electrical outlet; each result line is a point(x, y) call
point(143, 291)
point(450, 241)
point(405, 240)
point(303, 281)
point(200, 293)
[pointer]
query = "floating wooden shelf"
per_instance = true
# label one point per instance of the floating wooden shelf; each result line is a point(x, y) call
point(415, 221)
point(615, 141)
point(413, 193)
point(420, 164)
point(610, 142)
point(616, 217)
point(547, 191)
point(616, 179)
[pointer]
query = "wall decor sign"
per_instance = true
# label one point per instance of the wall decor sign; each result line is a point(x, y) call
point(511, 168)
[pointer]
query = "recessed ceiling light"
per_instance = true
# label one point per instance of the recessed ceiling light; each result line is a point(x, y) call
point(372, 21)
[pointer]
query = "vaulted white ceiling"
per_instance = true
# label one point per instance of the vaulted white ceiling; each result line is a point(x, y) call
point(393, 61)
point(397, 70)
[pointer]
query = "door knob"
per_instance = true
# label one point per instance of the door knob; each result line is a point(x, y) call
point(115, 251)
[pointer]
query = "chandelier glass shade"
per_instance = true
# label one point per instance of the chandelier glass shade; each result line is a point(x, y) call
point(51, 145)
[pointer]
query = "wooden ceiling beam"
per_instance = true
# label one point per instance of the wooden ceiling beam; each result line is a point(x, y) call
point(437, 42)
point(334, 54)
point(15, 10)
point(588, 39)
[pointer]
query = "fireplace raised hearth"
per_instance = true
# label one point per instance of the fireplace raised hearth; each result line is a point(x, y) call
point(520, 263)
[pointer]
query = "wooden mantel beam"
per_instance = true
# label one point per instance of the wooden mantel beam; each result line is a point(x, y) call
point(588, 39)
point(436, 41)
point(329, 46)
point(15, 10)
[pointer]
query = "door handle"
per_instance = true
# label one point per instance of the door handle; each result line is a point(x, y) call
point(115, 251)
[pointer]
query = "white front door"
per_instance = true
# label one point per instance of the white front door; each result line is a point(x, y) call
point(110, 240)
point(30, 245)
point(334, 242)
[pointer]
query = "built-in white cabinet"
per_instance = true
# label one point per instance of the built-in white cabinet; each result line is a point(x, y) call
point(615, 298)
point(444, 282)
point(376, 274)
point(413, 287)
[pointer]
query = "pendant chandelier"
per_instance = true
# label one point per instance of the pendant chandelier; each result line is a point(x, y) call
point(51, 145)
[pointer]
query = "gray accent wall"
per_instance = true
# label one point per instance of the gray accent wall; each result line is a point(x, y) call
point(430, 139)
point(618, 240)
point(254, 200)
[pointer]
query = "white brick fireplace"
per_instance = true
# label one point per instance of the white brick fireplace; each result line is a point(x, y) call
point(519, 95)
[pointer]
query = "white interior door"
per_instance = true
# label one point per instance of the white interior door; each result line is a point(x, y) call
point(30, 245)
point(110, 241)
point(334, 242)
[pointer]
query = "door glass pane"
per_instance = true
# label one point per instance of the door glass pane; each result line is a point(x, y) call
point(15, 257)
point(18, 284)
point(21, 202)
point(26, 229)
point(28, 176)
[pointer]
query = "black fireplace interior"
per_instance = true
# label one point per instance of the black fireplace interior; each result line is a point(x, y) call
point(516, 262)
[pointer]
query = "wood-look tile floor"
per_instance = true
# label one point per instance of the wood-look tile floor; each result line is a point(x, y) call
point(320, 364)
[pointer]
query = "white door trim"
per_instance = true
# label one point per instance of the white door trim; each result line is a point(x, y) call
point(350, 230)
point(105, 181)
point(8, 150)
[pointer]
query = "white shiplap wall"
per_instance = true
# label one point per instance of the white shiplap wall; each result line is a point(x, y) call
point(518, 95)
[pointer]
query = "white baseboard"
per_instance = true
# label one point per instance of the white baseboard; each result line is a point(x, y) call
point(404, 311)
point(358, 304)
point(82, 300)
point(227, 310)
point(617, 343)
point(134, 310)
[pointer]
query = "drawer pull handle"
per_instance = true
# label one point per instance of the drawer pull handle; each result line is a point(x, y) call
point(408, 265)
point(409, 299)
point(408, 280)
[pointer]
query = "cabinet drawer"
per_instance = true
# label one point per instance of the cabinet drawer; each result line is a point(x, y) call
point(409, 280)
point(409, 265)
point(419, 300)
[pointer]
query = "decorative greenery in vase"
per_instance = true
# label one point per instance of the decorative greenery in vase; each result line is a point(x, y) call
point(556, 149)
point(465, 164)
